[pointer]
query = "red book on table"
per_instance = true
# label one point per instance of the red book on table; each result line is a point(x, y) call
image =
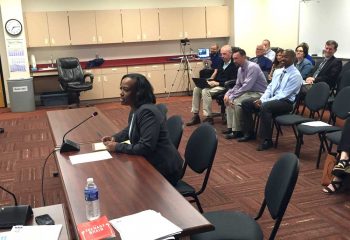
point(96, 229)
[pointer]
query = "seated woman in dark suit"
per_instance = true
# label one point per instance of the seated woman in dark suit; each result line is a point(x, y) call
point(339, 170)
point(146, 129)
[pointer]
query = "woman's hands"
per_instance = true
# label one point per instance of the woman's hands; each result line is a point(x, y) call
point(109, 142)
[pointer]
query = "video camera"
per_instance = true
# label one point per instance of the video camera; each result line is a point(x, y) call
point(184, 41)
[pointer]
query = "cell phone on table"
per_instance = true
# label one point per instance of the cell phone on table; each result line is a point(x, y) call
point(44, 219)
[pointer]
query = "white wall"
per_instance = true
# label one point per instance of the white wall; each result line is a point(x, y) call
point(276, 20)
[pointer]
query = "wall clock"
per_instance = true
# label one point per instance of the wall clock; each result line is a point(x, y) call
point(13, 27)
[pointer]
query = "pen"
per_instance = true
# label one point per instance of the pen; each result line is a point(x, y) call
point(99, 134)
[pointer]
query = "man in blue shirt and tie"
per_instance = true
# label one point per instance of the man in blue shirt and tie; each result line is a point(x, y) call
point(278, 99)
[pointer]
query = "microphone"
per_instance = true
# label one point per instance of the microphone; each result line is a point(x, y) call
point(68, 145)
point(14, 215)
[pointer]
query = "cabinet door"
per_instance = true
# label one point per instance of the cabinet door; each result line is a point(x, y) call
point(37, 29)
point(155, 74)
point(176, 79)
point(109, 26)
point(97, 89)
point(149, 24)
point(58, 28)
point(218, 21)
point(82, 27)
point(111, 81)
point(131, 25)
point(194, 22)
point(170, 23)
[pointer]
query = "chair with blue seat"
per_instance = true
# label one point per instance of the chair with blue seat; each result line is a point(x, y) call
point(340, 109)
point(278, 191)
point(199, 156)
point(315, 101)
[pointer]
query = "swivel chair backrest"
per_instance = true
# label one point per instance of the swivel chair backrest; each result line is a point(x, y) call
point(69, 70)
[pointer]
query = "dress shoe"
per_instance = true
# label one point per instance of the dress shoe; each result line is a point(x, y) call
point(227, 131)
point(265, 145)
point(234, 135)
point(195, 120)
point(209, 120)
point(246, 138)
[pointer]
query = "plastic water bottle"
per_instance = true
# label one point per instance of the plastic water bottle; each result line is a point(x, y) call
point(91, 200)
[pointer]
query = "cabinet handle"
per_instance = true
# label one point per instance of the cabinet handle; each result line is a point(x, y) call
point(138, 37)
point(94, 39)
point(100, 39)
point(46, 41)
point(53, 41)
point(144, 36)
point(186, 34)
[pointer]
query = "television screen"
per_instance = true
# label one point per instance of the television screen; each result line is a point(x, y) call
point(203, 52)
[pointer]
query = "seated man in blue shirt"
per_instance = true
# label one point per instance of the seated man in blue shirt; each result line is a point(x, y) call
point(227, 71)
point(278, 99)
point(264, 63)
point(212, 65)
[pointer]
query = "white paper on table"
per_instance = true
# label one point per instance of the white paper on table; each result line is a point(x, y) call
point(316, 124)
point(146, 225)
point(98, 146)
point(42, 232)
point(90, 157)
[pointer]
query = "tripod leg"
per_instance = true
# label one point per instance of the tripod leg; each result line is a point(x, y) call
point(177, 73)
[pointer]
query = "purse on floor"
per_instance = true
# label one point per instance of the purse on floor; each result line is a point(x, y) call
point(329, 164)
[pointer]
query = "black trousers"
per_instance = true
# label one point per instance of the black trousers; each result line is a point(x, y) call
point(268, 111)
point(345, 137)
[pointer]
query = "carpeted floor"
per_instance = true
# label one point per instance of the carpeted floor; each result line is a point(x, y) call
point(237, 181)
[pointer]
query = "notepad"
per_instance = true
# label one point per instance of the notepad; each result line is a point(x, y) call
point(98, 146)
point(145, 225)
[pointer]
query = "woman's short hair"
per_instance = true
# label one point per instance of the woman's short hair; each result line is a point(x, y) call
point(143, 89)
point(305, 49)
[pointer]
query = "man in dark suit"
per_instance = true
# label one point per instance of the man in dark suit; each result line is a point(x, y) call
point(227, 71)
point(329, 69)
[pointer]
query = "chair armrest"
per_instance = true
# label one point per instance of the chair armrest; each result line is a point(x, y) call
point(230, 83)
point(90, 75)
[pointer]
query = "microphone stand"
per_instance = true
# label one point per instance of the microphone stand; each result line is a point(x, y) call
point(14, 215)
point(68, 145)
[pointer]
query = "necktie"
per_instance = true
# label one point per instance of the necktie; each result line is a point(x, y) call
point(282, 75)
point(319, 68)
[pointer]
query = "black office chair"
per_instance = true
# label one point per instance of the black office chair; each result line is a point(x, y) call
point(163, 109)
point(278, 191)
point(72, 78)
point(199, 156)
point(340, 109)
point(315, 100)
point(219, 97)
point(175, 127)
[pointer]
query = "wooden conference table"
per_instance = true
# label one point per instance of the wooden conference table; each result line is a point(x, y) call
point(127, 184)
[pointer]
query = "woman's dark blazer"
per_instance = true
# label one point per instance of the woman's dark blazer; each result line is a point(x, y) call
point(149, 137)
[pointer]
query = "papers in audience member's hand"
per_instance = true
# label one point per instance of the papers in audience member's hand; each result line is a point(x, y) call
point(146, 225)
point(126, 142)
point(90, 157)
point(316, 124)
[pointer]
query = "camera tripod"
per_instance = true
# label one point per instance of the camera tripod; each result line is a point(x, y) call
point(186, 69)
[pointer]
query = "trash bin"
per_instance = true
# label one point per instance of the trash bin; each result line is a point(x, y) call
point(21, 94)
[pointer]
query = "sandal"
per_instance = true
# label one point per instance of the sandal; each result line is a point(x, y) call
point(336, 185)
point(339, 169)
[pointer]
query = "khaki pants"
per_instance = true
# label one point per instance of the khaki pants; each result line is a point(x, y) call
point(206, 95)
point(234, 113)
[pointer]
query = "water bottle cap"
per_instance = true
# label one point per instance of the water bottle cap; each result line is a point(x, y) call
point(90, 180)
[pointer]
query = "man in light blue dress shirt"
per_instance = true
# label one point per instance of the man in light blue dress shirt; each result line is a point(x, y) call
point(278, 99)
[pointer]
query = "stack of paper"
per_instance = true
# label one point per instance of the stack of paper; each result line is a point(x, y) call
point(42, 232)
point(90, 157)
point(316, 124)
point(146, 225)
